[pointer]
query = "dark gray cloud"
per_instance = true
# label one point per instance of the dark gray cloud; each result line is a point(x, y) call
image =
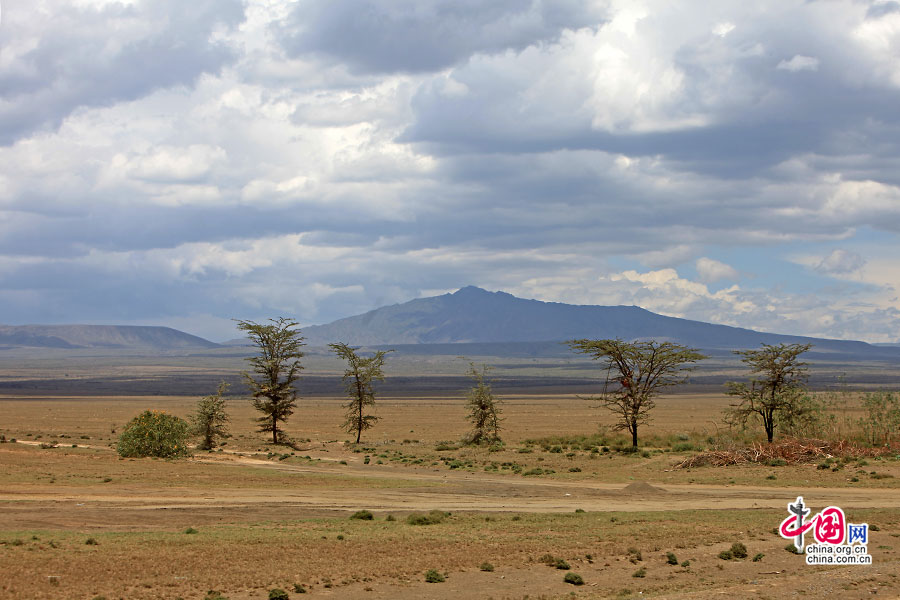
point(413, 36)
point(85, 57)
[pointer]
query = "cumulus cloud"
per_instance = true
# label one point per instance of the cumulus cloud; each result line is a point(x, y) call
point(413, 36)
point(161, 160)
point(57, 56)
point(711, 270)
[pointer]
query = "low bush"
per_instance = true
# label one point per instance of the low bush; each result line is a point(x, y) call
point(299, 589)
point(154, 433)
point(278, 594)
point(487, 567)
point(561, 564)
point(640, 573)
point(433, 576)
point(671, 558)
point(432, 518)
point(758, 557)
point(574, 579)
point(739, 550)
point(363, 515)
point(726, 555)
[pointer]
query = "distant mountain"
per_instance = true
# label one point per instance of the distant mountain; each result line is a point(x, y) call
point(100, 336)
point(473, 315)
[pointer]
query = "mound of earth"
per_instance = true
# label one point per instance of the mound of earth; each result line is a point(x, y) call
point(642, 488)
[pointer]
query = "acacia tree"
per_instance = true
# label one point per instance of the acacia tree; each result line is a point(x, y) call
point(359, 380)
point(484, 412)
point(211, 421)
point(779, 391)
point(276, 369)
point(636, 372)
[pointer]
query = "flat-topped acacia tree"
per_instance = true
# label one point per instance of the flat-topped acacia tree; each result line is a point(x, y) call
point(276, 369)
point(637, 372)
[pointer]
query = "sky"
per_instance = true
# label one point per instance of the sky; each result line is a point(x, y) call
point(178, 163)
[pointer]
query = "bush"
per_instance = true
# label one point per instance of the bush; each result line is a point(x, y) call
point(561, 564)
point(299, 589)
point(214, 595)
point(640, 573)
point(486, 566)
point(91, 542)
point(671, 558)
point(154, 433)
point(362, 515)
point(190, 531)
point(432, 518)
point(739, 550)
point(726, 555)
point(759, 556)
point(792, 549)
point(432, 576)
point(278, 594)
point(573, 578)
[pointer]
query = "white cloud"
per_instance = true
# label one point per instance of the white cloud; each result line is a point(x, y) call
point(841, 262)
point(799, 63)
point(711, 270)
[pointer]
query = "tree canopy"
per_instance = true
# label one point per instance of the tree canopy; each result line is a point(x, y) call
point(275, 370)
point(636, 372)
point(777, 392)
point(359, 381)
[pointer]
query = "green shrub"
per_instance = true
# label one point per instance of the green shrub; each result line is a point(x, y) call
point(190, 530)
point(640, 573)
point(561, 564)
point(363, 515)
point(758, 557)
point(91, 542)
point(486, 566)
point(433, 576)
point(792, 549)
point(390, 518)
point(739, 550)
point(154, 433)
point(686, 564)
point(214, 595)
point(432, 518)
point(278, 594)
point(299, 589)
point(573, 578)
point(726, 555)
point(671, 558)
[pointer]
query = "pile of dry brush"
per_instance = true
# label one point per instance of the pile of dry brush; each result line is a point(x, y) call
point(789, 450)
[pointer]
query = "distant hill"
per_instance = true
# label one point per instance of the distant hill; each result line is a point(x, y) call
point(475, 316)
point(100, 336)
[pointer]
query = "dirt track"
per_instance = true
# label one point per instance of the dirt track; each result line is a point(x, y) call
point(428, 489)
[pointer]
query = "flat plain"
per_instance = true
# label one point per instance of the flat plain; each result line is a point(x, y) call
point(78, 521)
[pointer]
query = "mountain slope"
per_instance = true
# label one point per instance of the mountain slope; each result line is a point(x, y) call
point(99, 336)
point(473, 315)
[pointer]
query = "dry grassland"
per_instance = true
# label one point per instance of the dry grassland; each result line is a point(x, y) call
point(270, 517)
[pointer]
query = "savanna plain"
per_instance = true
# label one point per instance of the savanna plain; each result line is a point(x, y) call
point(563, 494)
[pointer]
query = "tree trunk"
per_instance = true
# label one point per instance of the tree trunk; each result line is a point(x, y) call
point(358, 434)
point(634, 435)
point(274, 430)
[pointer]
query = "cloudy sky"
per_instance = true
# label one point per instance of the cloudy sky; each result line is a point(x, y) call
point(183, 163)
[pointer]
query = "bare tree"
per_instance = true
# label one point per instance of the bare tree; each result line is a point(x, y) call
point(636, 372)
point(211, 421)
point(484, 412)
point(277, 368)
point(779, 391)
point(359, 379)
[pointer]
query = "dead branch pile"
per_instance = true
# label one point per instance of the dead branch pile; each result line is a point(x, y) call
point(789, 450)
